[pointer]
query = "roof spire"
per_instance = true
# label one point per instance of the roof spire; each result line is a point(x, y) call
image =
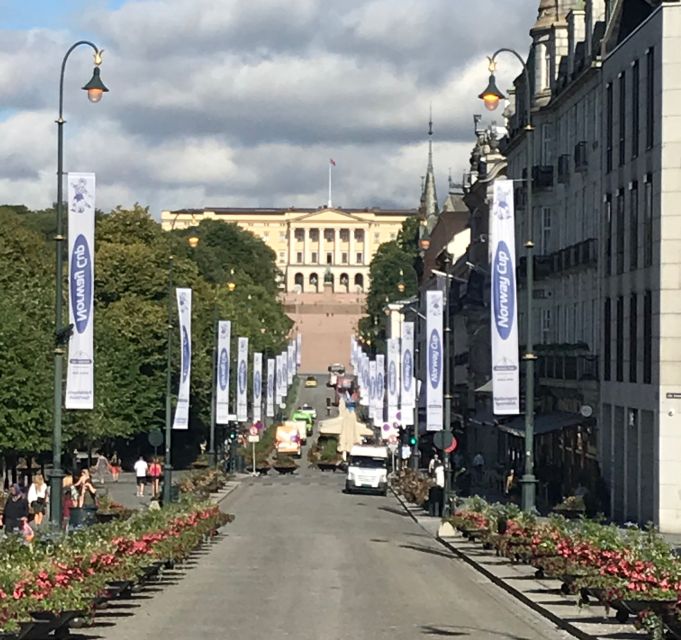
point(429, 206)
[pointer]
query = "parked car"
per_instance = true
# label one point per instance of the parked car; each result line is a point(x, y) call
point(309, 409)
point(310, 381)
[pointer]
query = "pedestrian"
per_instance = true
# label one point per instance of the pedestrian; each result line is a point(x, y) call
point(141, 472)
point(437, 492)
point(16, 508)
point(102, 467)
point(115, 466)
point(37, 498)
point(86, 491)
point(155, 472)
point(479, 466)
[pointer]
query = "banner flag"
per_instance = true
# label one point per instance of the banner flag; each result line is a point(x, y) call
point(257, 387)
point(434, 315)
point(269, 404)
point(408, 386)
point(279, 375)
point(284, 374)
point(380, 389)
point(353, 354)
point(504, 320)
point(393, 378)
point(372, 391)
point(242, 381)
point(80, 388)
point(222, 373)
point(294, 344)
point(290, 363)
point(184, 310)
point(299, 352)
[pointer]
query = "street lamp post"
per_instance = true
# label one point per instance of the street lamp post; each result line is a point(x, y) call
point(491, 97)
point(95, 89)
point(447, 381)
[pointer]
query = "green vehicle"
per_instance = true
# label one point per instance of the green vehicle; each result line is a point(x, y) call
point(304, 416)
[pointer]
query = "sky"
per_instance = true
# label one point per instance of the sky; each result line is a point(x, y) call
point(242, 102)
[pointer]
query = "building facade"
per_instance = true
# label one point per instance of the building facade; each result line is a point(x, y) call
point(607, 132)
point(313, 246)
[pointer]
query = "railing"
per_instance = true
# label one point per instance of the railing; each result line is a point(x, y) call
point(568, 366)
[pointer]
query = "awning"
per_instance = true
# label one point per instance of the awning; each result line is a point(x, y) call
point(543, 423)
point(485, 388)
point(483, 417)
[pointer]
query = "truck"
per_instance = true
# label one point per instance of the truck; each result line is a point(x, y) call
point(299, 415)
point(287, 437)
point(367, 470)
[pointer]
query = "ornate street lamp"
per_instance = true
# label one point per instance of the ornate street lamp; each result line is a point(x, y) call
point(95, 89)
point(400, 285)
point(491, 97)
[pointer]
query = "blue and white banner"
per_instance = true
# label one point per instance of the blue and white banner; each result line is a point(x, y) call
point(393, 378)
point(184, 311)
point(257, 387)
point(504, 309)
point(242, 381)
point(222, 372)
point(290, 364)
point(353, 354)
point(372, 395)
point(408, 386)
point(279, 381)
point(380, 388)
point(434, 315)
point(299, 352)
point(294, 344)
point(271, 375)
point(284, 374)
point(80, 388)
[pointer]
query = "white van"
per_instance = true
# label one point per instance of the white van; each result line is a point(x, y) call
point(367, 470)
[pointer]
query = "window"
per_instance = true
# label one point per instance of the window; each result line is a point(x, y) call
point(546, 146)
point(282, 235)
point(608, 127)
point(647, 337)
point(329, 258)
point(650, 97)
point(547, 68)
point(635, 107)
point(546, 325)
point(545, 230)
point(266, 235)
point(299, 257)
point(345, 235)
point(622, 115)
point(344, 257)
point(607, 337)
point(393, 236)
point(619, 248)
point(619, 338)
point(608, 234)
point(359, 235)
point(633, 328)
point(328, 235)
point(314, 257)
point(359, 258)
point(282, 256)
point(633, 226)
point(299, 235)
point(648, 221)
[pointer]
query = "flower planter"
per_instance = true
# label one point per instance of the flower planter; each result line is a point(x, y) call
point(328, 466)
point(48, 622)
point(570, 514)
point(104, 517)
point(285, 470)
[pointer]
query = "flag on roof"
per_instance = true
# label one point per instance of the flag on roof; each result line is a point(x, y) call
point(332, 161)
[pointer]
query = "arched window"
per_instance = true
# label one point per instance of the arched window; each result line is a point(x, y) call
point(344, 283)
point(298, 281)
point(359, 282)
point(314, 282)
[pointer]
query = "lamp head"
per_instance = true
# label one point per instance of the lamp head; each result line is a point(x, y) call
point(491, 96)
point(193, 241)
point(95, 88)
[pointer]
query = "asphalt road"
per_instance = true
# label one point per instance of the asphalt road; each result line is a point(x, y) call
point(303, 560)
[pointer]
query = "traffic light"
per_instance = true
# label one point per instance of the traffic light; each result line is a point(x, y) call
point(412, 437)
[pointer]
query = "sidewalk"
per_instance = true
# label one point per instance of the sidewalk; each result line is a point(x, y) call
point(588, 622)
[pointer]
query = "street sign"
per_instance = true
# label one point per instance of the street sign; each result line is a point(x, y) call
point(393, 447)
point(253, 430)
point(452, 447)
point(443, 440)
point(254, 439)
point(155, 438)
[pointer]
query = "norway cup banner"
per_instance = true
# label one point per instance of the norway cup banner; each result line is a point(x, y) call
point(393, 378)
point(80, 393)
point(408, 386)
point(290, 363)
point(242, 381)
point(184, 311)
point(371, 391)
point(257, 387)
point(299, 353)
point(434, 358)
point(504, 308)
point(380, 388)
point(278, 386)
point(364, 381)
point(222, 372)
point(269, 401)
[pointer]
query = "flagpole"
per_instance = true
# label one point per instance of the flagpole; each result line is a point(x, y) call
point(329, 203)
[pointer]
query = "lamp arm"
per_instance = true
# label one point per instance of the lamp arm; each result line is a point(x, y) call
point(63, 69)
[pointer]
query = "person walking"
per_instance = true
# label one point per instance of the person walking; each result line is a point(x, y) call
point(102, 467)
point(37, 498)
point(15, 511)
point(141, 472)
point(115, 466)
point(155, 472)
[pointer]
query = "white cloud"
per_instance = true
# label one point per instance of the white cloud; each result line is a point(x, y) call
point(242, 102)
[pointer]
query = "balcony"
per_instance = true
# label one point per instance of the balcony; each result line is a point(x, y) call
point(567, 362)
point(581, 156)
point(575, 257)
point(542, 176)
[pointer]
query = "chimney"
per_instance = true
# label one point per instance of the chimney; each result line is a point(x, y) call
point(595, 12)
point(576, 30)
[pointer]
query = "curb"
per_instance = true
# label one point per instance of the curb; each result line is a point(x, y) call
point(227, 491)
point(557, 620)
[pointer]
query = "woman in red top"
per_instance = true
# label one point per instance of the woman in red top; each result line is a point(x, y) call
point(155, 472)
